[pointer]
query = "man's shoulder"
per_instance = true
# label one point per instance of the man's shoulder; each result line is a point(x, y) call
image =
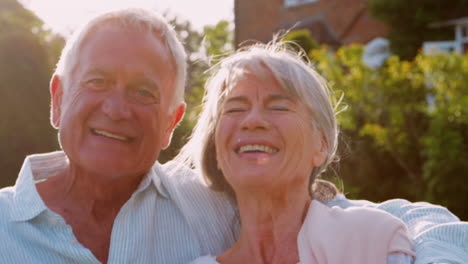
point(6, 193)
point(211, 214)
point(6, 200)
point(185, 183)
point(180, 171)
point(6, 204)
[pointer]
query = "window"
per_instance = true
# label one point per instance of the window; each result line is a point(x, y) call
point(293, 3)
point(433, 47)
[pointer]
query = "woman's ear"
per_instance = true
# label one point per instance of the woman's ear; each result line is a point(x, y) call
point(321, 153)
point(56, 93)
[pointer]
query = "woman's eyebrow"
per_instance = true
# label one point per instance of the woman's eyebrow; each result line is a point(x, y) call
point(275, 97)
point(271, 97)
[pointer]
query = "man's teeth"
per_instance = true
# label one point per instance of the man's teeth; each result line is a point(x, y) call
point(257, 148)
point(110, 135)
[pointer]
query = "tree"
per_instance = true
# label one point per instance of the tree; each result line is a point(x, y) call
point(409, 21)
point(204, 49)
point(405, 126)
point(25, 69)
point(445, 143)
point(304, 40)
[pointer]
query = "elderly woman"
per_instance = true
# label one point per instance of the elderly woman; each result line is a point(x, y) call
point(267, 130)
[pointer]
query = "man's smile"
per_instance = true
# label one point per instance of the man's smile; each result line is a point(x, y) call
point(110, 135)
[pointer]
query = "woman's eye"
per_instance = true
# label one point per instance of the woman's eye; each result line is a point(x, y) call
point(279, 109)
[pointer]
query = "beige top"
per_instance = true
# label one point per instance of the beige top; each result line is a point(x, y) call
point(354, 236)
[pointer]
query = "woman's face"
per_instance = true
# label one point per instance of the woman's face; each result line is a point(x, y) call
point(264, 137)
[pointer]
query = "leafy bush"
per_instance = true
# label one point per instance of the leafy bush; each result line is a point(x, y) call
point(405, 127)
point(303, 38)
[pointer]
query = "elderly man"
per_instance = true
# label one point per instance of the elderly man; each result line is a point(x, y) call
point(117, 95)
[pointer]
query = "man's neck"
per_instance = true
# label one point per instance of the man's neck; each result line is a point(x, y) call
point(89, 203)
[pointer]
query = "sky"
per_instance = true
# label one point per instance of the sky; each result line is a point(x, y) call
point(63, 16)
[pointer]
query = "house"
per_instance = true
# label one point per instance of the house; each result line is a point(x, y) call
point(333, 22)
point(460, 42)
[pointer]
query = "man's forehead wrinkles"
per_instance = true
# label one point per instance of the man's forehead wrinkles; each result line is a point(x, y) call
point(239, 98)
point(144, 73)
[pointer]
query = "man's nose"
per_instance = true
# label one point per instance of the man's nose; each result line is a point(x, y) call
point(255, 118)
point(116, 105)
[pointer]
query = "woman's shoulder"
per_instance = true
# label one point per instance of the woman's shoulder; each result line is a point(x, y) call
point(205, 260)
point(364, 233)
point(361, 223)
point(353, 216)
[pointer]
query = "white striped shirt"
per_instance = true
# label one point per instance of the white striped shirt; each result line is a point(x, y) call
point(173, 218)
point(150, 227)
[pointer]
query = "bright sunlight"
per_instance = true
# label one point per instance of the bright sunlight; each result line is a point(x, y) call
point(64, 16)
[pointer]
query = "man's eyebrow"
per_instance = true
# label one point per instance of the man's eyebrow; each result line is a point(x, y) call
point(143, 80)
point(96, 71)
point(239, 98)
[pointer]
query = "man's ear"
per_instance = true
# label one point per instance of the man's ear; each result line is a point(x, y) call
point(56, 93)
point(176, 117)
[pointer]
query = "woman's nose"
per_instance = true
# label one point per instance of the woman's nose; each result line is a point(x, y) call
point(255, 119)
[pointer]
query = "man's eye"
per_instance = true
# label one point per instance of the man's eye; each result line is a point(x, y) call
point(144, 96)
point(234, 110)
point(97, 83)
point(144, 92)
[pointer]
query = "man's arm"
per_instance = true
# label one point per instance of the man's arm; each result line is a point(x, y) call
point(438, 235)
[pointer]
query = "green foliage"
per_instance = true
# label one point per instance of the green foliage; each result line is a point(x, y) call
point(303, 38)
point(408, 21)
point(405, 126)
point(218, 40)
point(445, 146)
point(203, 50)
point(25, 69)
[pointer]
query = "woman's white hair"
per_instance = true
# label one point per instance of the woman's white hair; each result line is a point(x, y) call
point(137, 19)
point(295, 76)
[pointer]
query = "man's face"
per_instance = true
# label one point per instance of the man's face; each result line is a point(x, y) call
point(114, 117)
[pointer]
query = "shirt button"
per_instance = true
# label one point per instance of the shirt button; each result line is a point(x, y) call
point(53, 221)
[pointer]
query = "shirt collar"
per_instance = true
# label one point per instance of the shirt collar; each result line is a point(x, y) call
point(155, 174)
point(36, 168)
point(39, 167)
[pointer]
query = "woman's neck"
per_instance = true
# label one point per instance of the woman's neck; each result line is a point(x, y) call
point(270, 224)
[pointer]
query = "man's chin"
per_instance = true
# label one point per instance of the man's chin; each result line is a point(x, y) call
point(108, 167)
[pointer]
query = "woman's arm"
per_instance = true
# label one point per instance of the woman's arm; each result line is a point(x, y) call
point(438, 235)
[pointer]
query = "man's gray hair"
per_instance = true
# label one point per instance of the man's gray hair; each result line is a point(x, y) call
point(137, 19)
